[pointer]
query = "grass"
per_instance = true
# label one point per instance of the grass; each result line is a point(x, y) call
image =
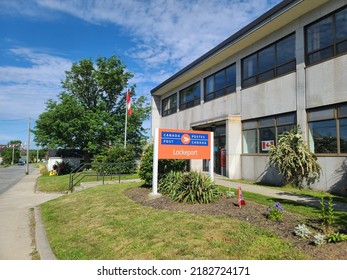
point(103, 223)
point(292, 206)
point(294, 190)
point(61, 183)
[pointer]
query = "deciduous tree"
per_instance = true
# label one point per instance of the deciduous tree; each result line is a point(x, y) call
point(90, 111)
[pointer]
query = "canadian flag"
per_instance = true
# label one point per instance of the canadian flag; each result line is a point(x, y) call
point(128, 103)
point(265, 145)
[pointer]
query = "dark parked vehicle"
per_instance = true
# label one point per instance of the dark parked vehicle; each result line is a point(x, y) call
point(22, 161)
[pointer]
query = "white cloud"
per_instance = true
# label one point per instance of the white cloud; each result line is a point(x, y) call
point(168, 32)
point(24, 90)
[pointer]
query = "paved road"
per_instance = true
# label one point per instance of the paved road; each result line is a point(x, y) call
point(9, 176)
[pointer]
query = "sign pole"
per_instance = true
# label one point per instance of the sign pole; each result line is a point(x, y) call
point(155, 163)
point(211, 167)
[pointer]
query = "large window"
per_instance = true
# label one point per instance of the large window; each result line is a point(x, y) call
point(327, 37)
point(221, 83)
point(190, 96)
point(328, 129)
point(260, 134)
point(169, 105)
point(275, 60)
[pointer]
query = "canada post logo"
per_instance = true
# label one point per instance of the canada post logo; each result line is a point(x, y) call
point(183, 138)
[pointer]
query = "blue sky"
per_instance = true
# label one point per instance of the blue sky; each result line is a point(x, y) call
point(40, 39)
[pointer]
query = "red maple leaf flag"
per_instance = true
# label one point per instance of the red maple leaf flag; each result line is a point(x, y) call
point(128, 103)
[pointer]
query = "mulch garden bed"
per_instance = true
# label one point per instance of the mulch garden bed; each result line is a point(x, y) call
point(253, 213)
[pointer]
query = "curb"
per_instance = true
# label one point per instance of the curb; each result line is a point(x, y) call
point(42, 243)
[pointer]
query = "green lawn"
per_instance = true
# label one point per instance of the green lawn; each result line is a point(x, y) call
point(103, 223)
point(61, 183)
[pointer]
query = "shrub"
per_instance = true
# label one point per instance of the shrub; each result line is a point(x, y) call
point(302, 231)
point(44, 171)
point(164, 166)
point(64, 167)
point(319, 239)
point(169, 183)
point(327, 213)
point(115, 160)
point(275, 212)
point(191, 187)
point(336, 237)
point(293, 159)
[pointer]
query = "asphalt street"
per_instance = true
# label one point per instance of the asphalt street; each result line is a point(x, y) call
point(11, 175)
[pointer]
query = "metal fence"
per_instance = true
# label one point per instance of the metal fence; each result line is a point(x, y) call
point(100, 171)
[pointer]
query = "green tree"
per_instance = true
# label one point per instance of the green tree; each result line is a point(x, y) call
point(12, 152)
point(90, 112)
point(292, 158)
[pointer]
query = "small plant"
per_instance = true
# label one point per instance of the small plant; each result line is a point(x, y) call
point(275, 212)
point(230, 193)
point(319, 239)
point(336, 237)
point(302, 231)
point(190, 187)
point(327, 213)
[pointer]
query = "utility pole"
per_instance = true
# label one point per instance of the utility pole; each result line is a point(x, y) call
point(28, 149)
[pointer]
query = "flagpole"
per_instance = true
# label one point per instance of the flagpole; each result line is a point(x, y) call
point(126, 119)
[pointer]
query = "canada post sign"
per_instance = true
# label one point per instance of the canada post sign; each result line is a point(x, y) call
point(184, 144)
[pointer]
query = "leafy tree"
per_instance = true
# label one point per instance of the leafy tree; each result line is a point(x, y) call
point(90, 112)
point(12, 150)
point(293, 159)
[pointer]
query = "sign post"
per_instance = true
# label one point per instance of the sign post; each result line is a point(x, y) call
point(181, 144)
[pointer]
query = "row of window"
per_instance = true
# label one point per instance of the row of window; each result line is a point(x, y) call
point(259, 135)
point(324, 39)
point(327, 129)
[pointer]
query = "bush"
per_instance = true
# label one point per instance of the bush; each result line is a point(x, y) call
point(64, 167)
point(336, 237)
point(169, 183)
point(191, 187)
point(164, 166)
point(293, 159)
point(115, 160)
point(327, 213)
point(44, 171)
point(275, 212)
point(302, 231)
point(319, 239)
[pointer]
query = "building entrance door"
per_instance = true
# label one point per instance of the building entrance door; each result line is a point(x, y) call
point(219, 150)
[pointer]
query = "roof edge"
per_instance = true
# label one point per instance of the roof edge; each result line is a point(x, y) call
point(239, 34)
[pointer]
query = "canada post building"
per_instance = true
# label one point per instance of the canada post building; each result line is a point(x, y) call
point(286, 68)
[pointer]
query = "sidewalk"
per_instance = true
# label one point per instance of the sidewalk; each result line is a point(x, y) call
point(15, 205)
point(223, 181)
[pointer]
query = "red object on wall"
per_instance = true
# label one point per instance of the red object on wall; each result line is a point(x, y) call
point(223, 154)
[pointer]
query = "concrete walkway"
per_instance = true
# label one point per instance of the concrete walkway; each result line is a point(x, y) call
point(338, 206)
point(16, 242)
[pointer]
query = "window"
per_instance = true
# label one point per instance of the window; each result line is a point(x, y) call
point(328, 129)
point(274, 60)
point(221, 83)
point(327, 37)
point(258, 135)
point(169, 105)
point(190, 96)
